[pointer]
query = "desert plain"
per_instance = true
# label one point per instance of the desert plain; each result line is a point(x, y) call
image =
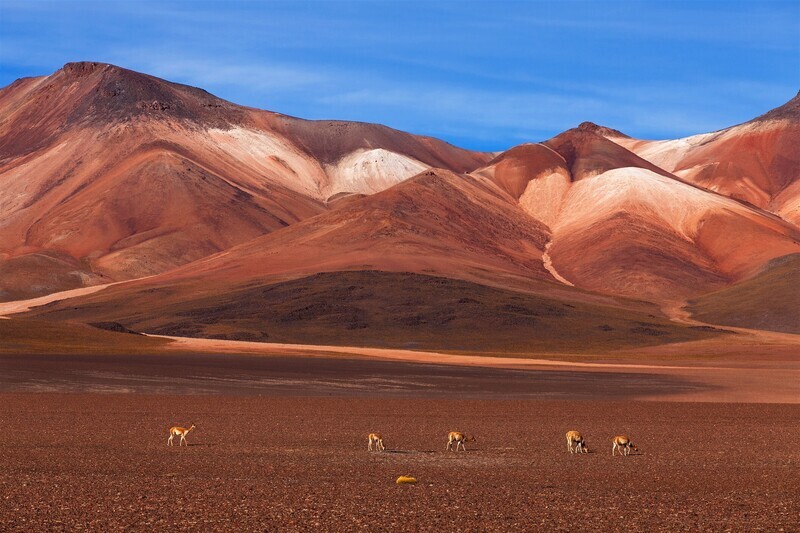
point(281, 443)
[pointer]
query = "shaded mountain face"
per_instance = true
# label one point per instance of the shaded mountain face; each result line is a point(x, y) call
point(767, 300)
point(588, 153)
point(34, 111)
point(217, 212)
point(123, 175)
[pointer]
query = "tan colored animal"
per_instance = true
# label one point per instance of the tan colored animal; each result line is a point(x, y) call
point(575, 439)
point(377, 440)
point(176, 431)
point(459, 438)
point(622, 444)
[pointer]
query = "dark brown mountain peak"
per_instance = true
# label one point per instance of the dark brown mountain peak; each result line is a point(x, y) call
point(788, 111)
point(116, 93)
point(587, 152)
point(80, 69)
point(601, 130)
point(90, 94)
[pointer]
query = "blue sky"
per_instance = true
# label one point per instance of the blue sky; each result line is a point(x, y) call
point(483, 75)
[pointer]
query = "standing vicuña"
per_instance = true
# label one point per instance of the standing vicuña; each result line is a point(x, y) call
point(174, 431)
point(459, 439)
point(575, 438)
point(623, 444)
point(375, 438)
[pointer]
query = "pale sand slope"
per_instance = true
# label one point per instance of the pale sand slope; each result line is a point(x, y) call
point(369, 171)
point(756, 161)
point(21, 306)
point(633, 232)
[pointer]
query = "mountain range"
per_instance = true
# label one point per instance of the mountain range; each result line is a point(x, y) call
point(209, 219)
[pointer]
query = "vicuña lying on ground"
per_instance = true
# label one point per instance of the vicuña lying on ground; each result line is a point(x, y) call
point(623, 444)
point(575, 438)
point(459, 438)
point(375, 438)
point(175, 430)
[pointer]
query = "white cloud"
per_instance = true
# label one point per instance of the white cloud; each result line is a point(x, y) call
point(209, 72)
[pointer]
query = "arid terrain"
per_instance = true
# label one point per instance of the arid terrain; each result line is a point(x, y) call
point(281, 438)
point(96, 461)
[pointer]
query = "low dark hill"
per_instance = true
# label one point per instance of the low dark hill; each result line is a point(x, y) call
point(387, 310)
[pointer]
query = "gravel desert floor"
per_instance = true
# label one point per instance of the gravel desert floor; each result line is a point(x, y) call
point(295, 460)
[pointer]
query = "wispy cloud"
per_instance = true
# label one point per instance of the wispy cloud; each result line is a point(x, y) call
point(483, 74)
point(648, 110)
point(210, 72)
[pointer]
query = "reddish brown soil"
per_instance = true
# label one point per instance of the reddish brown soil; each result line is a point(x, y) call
point(756, 162)
point(112, 175)
point(749, 163)
point(101, 462)
point(437, 222)
point(513, 169)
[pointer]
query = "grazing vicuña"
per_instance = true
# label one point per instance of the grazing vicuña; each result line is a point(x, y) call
point(623, 444)
point(377, 439)
point(576, 439)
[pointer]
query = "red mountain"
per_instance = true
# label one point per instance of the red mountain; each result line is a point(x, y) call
point(108, 174)
point(250, 224)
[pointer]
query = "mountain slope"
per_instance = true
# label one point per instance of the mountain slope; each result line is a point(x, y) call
point(438, 222)
point(250, 224)
point(757, 162)
point(636, 233)
point(383, 309)
point(124, 175)
point(588, 153)
point(620, 225)
point(345, 277)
